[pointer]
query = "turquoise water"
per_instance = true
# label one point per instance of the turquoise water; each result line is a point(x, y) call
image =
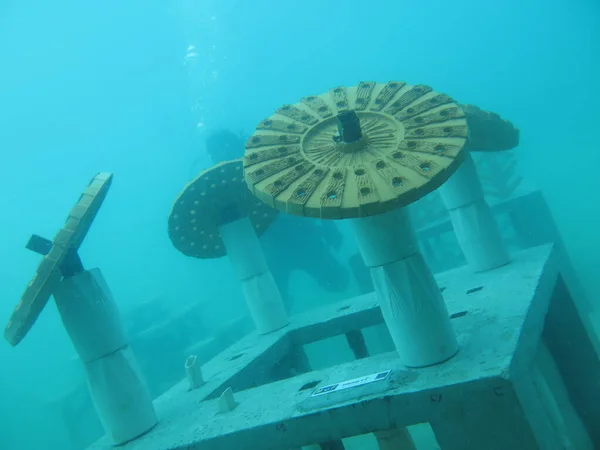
point(111, 86)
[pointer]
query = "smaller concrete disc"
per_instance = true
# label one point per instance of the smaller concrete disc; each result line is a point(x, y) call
point(411, 141)
point(488, 132)
point(216, 196)
point(48, 273)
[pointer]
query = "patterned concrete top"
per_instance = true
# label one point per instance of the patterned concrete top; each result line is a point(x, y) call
point(355, 152)
point(48, 273)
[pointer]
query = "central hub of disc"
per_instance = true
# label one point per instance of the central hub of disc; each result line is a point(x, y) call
point(339, 139)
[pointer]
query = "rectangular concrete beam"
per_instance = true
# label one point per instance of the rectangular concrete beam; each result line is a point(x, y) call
point(247, 363)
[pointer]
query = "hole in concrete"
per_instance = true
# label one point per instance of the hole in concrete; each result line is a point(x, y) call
point(425, 166)
point(470, 291)
point(329, 352)
point(344, 308)
point(458, 314)
point(291, 364)
point(309, 385)
point(233, 358)
point(442, 289)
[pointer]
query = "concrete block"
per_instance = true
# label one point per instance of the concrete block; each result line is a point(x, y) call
point(487, 396)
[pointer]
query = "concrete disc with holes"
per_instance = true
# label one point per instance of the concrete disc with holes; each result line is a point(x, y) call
point(488, 132)
point(48, 273)
point(412, 142)
point(199, 210)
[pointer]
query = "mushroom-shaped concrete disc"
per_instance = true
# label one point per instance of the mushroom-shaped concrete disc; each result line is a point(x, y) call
point(215, 197)
point(310, 159)
point(488, 132)
point(48, 273)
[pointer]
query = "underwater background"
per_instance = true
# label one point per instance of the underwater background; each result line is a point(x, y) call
point(114, 86)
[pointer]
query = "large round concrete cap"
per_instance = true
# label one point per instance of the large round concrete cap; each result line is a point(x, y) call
point(356, 152)
point(215, 197)
point(48, 273)
point(488, 132)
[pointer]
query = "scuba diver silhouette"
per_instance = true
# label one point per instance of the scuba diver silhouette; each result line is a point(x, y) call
point(291, 243)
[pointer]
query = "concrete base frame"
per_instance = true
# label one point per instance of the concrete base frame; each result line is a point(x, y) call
point(526, 376)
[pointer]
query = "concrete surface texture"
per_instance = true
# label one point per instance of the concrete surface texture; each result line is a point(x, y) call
point(487, 396)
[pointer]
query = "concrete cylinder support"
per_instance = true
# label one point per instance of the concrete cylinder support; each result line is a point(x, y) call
point(118, 390)
point(262, 295)
point(472, 219)
point(410, 300)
